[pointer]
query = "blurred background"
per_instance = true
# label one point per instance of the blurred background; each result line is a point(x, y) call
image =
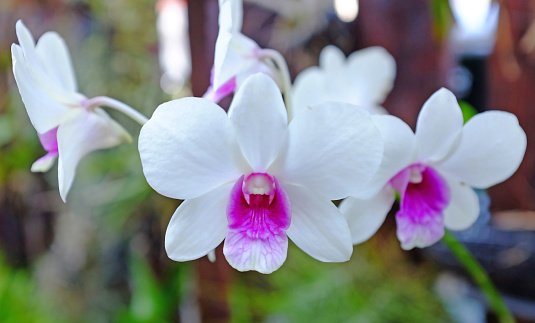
point(100, 257)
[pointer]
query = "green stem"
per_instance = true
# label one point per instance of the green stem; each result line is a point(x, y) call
point(480, 277)
point(284, 75)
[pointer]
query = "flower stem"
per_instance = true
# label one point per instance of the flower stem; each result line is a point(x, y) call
point(117, 105)
point(284, 74)
point(480, 277)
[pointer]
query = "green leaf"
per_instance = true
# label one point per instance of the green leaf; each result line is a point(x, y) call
point(468, 110)
point(441, 18)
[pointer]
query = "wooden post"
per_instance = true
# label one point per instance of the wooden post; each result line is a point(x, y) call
point(212, 279)
point(512, 88)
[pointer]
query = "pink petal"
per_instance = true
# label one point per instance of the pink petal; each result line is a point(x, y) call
point(259, 215)
point(49, 140)
point(420, 220)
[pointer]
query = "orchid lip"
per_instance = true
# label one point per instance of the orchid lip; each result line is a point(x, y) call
point(424, 196)
point(258, 216)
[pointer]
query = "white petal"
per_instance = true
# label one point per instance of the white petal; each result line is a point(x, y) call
point(38, 72)
point(331, 148)
point(188, 148)
point(308, 89)
point(44, 112)
point(318, 227)
point(234, 53)
point(492, 147)
point(374, 71)
point(79, 134)
point(463, 209)
point(364, 79)
point(44, 163)
point(259, 116)
point(54, 54)
point(399, 152)
point(230, 15)
point(439, 125)
point(198, 225)
point(332, 60)
point(365, 217)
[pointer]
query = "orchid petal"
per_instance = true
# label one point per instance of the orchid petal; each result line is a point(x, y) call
point(373, 72)
point(198, 225)
point(308, 89)
point(234, 54)
point(318, 227)
point(492, 147)
point(260, 119)
point(80, 133)
point(44, 112)
point(215, 95)
point(332, 61)
point(365, 217)
point(399, 152)
point(230, 15)
point(364, 79)
point(463, 209)
point(37, 71)
point(54, 54)
point(49, 141)
point(439, 125)
point(331, 147)
point(45, 163)
point(188, 148)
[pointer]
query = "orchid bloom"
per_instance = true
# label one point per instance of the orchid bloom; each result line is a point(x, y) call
point(364, 79)
point(236, 55)
point(252, 180)
point(68, 124)
point(434, 170)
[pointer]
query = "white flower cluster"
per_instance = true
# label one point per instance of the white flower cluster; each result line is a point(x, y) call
point(270, 168)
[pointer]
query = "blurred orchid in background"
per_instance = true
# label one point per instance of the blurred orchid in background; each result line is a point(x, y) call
point(68, 124)
point(273, 179)
point(434, 171)
point(237, 56)
point(297, 20)
point(364, 79)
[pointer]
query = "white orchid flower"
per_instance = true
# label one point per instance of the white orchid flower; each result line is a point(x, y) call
point(434, 171)
point(237, 56)
point(364, 79)
point(68, 124)
point(252, 180)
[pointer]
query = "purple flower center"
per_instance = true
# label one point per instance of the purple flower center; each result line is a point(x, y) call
point(424, 196)
point(258, 216)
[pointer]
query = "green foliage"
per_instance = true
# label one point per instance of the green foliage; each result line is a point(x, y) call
point(151, 300)
point(468, 110)
point(365, 289)
point(441, 18)
point(21, 300)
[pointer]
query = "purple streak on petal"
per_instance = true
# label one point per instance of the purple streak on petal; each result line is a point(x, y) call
point(49, 140)
point(256, 237)
point(420, 221)
point(221, 92)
